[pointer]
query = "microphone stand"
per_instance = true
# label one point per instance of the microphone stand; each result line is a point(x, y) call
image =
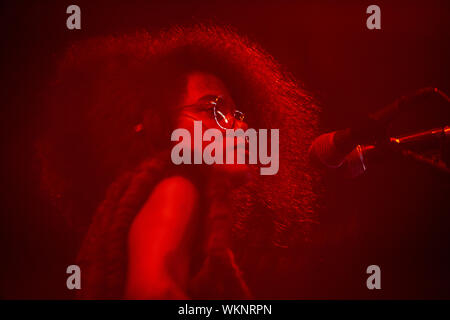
point(441, 134)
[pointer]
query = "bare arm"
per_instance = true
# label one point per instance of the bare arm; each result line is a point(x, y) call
point(157, 231)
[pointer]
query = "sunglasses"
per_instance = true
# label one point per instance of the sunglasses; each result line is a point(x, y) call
point(216, 104)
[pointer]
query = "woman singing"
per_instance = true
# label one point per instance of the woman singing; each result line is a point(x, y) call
point(153, 229)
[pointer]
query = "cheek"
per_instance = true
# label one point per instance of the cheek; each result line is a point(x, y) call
point(234, 170)
point(187, 121)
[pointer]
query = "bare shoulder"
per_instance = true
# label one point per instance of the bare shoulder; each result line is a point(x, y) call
point(176, 185)
point(157, 230)
point(170, 204)
point(172, 193)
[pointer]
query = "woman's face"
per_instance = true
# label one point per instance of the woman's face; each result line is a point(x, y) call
point(201, 89)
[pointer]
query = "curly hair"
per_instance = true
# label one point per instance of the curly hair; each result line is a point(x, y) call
point(109, 113)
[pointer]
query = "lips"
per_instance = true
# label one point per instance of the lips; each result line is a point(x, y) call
point(239, 146)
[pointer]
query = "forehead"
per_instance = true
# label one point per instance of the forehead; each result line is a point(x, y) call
point(199, 84)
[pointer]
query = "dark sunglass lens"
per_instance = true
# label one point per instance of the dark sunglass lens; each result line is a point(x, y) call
point(239, 115)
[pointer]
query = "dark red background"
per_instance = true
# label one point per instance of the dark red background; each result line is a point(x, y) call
point(396, 216)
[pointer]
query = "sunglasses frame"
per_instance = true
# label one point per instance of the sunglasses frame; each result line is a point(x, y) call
point(237, 115)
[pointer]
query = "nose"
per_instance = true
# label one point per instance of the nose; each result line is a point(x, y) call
point(239, 124)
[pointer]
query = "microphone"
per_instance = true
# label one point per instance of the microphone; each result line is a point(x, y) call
point(357, 161)
point(329, 150)
point(352, 146)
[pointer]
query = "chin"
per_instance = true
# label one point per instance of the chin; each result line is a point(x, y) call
point(235, 169)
